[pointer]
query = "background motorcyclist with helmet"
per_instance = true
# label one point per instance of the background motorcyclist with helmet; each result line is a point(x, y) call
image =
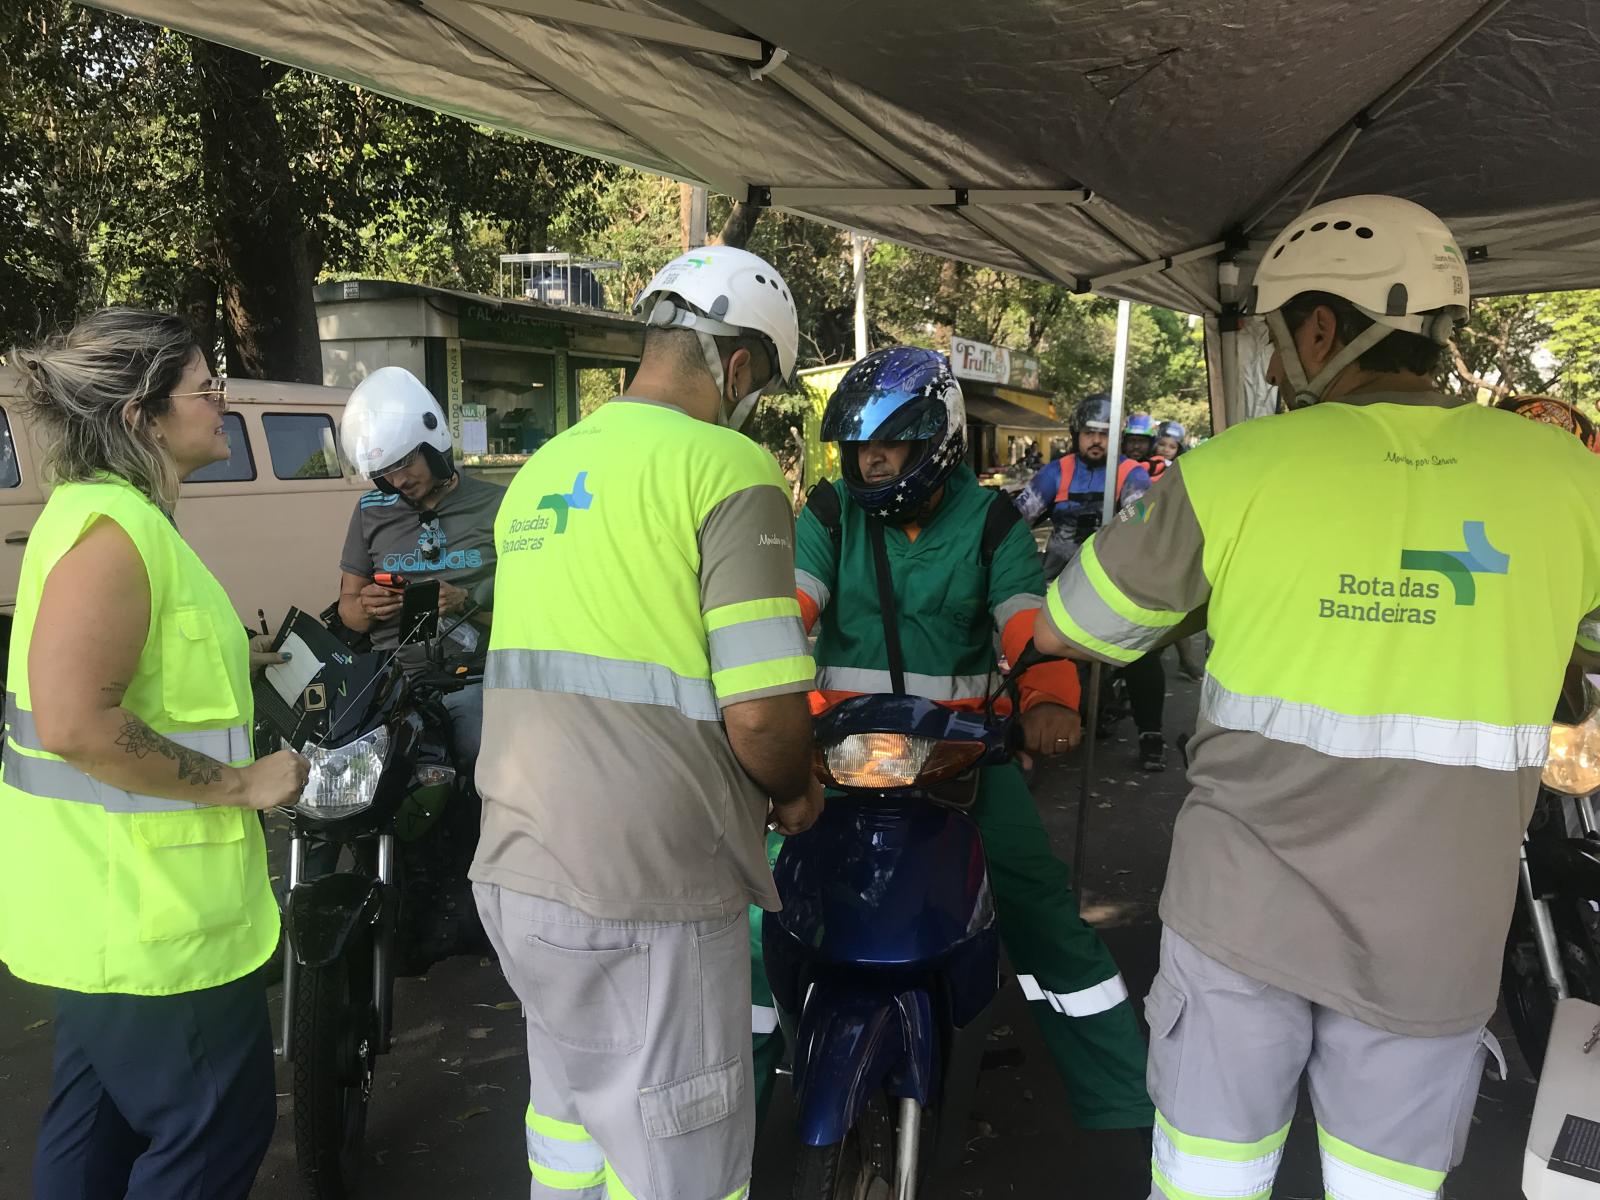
point(1071, 491)
point(423, 520)
point(1169, 440)
point(962, 569)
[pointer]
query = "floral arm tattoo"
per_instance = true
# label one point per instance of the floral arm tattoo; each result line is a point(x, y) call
point(139, 740)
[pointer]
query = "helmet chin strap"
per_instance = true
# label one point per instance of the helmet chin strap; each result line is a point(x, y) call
point(743, 407)
point(1310, 391)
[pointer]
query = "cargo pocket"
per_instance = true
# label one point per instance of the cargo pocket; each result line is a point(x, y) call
point(724, 956)
point(195, 684)
point(191, 879)
point(1467, 1100)
point(591, 999)
point(1163, 1008)
point(700, 1131)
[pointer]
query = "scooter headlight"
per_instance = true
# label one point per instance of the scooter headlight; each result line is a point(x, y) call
point(344, 779)
point(874, 761)
point(1573, 765)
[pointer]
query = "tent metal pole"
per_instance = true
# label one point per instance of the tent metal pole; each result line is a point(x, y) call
point(1207, 304)
point(470, 22)
point(1232, 382)
point(1336, 157)
point(1339, 144)
point(933, 197)
point(1154, 265)
point(1108, 511)
point(847, 123)
point(635, 25)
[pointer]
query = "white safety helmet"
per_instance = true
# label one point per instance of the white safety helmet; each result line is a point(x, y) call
point(1394, 260)
point(389, 415)
point(718, 291)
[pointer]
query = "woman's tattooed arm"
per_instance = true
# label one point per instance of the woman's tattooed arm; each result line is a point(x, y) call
point(194, 768)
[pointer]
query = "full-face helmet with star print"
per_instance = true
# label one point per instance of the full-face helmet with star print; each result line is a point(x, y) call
point(903, 394)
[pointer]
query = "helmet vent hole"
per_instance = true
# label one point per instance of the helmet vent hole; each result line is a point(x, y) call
point(1319, 227)
point(1341, 226)
point(1277, 252)
point(761, 279)
point(1363, 232)
point(1298, 234)
point(430, 421)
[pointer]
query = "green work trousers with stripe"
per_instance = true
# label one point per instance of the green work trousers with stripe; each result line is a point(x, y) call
point(1066, 972)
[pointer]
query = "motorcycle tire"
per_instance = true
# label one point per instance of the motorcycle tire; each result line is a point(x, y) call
point(859, 1168)
point(335, 1051)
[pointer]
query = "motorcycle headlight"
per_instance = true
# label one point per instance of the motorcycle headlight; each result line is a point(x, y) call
point(344, 779)
point(1573, 765)
point(894, 760)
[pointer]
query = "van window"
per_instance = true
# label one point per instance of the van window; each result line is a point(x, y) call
point(302, 445)
point(10, 473)
point(241, 464)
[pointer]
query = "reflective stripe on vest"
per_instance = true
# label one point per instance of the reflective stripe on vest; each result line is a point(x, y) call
point(40, 773)
point(607, 678)
point(1125, 467)
point(942, 688)
point(1377, 735)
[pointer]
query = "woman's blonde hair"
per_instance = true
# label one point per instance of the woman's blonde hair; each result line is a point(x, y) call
point(77, 385)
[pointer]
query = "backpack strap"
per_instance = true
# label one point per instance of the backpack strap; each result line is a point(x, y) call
point(997, 523)
point(822, 502)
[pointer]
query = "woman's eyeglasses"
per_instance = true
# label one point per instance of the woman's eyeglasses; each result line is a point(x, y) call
point(215, 390)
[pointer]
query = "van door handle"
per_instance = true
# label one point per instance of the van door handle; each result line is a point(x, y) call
point(18, 537)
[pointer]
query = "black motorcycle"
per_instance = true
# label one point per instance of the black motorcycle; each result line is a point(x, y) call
point(377, 888)
point(1553, 946)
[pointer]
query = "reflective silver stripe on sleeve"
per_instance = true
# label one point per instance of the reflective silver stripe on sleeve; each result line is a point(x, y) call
point(813, 587)
point(1379, 735)
point(759, 641)
point(1020, 603)
point(577, 674)
point(1096, 618)
point(929, 687)
point(1085, 1002)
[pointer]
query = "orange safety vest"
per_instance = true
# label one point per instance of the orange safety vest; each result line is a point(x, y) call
point(1124, 468)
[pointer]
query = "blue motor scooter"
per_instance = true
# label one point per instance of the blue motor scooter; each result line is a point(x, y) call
point(885, 959)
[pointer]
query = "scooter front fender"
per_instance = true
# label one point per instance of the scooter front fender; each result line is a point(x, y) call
point(322, 913)
point(852, 1041)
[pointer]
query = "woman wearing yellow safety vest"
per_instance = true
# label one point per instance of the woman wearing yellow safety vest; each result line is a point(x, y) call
point(132, 868)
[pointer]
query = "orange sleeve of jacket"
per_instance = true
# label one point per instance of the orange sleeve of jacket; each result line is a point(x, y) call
point(1047, 683)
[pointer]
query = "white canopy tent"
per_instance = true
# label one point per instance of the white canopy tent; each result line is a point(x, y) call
point(1142, 150)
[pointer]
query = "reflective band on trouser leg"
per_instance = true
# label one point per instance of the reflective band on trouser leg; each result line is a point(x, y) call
point(563, 1157)
point(615, 1189)
point(1197, 1168)
point(1349, 1173)
point(1085, 1002)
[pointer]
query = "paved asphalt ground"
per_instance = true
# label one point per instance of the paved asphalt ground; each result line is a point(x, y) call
point(447, 1114)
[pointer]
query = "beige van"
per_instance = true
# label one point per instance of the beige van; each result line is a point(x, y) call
point(270, 522)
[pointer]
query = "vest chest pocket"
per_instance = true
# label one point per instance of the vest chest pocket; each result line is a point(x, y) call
point(195, 685)
point(190, 871)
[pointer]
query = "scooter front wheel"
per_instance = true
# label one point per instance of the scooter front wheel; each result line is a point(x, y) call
point(862, 1167)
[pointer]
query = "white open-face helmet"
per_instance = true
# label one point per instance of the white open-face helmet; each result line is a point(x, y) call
point(389, 415)
point(718, 291)
point(1394, 260)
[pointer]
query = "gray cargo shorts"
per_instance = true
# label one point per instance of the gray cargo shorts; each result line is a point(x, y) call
point(1226, 1056)
point(640, 1078)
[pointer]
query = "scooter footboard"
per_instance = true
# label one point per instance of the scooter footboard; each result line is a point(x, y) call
point(852, 1041)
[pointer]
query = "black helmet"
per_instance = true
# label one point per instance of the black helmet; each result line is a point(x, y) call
point(1094, 413)
point(905, 393)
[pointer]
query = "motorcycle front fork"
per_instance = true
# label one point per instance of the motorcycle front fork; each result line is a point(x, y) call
point(908, 1150)
point(380, 945)
point(1544, 928)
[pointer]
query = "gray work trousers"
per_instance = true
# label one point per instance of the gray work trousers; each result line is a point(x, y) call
point(1226, 1056)
point(640, 1079)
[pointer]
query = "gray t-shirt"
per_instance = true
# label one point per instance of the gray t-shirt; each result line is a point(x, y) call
point(453, 543)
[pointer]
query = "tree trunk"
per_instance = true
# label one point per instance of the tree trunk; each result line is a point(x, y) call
point(269, 318)
point(741, 223)
point(198, 304)
point(946, 302)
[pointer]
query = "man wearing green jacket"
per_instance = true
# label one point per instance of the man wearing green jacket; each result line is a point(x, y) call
point(963, 568)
